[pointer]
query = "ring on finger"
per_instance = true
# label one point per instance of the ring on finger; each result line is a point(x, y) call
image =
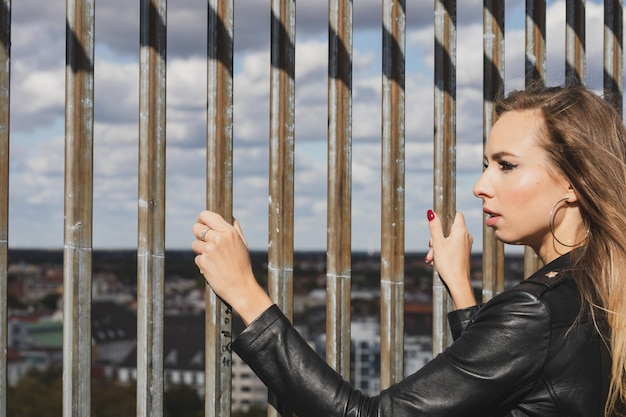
point(206, 229)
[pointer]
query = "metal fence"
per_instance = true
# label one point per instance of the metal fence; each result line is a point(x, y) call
point(151, 247)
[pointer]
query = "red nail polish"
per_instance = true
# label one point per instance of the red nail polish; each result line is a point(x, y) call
point(430, 215)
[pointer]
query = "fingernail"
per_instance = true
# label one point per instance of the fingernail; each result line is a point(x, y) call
point(430, 214)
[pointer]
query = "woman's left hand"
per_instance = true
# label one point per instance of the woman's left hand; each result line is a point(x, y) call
point(451, 256)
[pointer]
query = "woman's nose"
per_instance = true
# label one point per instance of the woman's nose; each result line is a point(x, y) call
point(481, 187)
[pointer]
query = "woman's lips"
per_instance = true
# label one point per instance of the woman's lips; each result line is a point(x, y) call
point(492, 218)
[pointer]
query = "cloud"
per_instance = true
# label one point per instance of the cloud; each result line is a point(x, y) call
point(37, 118)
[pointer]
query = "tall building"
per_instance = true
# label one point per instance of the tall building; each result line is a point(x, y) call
point(365, 354)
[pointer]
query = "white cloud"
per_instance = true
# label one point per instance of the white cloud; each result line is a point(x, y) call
point(42, 91)
point(37, 116)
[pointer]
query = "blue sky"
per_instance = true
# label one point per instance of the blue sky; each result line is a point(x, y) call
point(37, 117)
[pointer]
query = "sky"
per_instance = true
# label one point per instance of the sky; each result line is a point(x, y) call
point(36, 194)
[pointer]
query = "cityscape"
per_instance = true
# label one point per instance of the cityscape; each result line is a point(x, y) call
point(35, 322)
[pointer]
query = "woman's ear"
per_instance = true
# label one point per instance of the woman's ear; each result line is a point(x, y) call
point(572, 196)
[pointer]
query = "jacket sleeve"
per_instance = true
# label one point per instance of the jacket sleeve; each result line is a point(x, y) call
point(493, 363)
point(460, 319)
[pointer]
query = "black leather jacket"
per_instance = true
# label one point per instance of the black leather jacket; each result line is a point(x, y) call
point(524, 353)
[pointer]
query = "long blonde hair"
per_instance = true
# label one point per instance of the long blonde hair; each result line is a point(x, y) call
point(586, 139)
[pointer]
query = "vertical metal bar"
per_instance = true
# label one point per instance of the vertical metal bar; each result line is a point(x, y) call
point(151, 210)
point(5, 101)
point(77, 254)
point(614, 53)
point(535, 75)
point(219, 196)
point(393, 178)
point(282, 128)
point(531, 261)
point(338, 256)
point(535, 42)
point(493, 85)
point(575, 70)
point(445, 149)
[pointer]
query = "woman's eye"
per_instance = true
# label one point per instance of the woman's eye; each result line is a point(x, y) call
point(506, 166)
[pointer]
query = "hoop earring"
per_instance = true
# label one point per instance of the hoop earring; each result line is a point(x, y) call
point(552, 226)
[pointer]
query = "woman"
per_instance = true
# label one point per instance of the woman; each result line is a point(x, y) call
point(554, 345)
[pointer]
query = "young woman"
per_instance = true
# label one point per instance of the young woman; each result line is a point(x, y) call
point(554, 345)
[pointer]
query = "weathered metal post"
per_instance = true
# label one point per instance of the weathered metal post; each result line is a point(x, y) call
point(77, 250)
point(575, 54)
point(282, 139)
point(445, 149)
point(5, 101)
point(493, 86)
point(218, 333)
point(151, 208)
point(535, 75)
point(393, 194)
point(614, 53)
point(535, 60)
point(339, 215)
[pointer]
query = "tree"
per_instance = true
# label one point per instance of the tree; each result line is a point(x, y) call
point(253, 411)
point(182, 401)
point(38, 394)
point(113, 400)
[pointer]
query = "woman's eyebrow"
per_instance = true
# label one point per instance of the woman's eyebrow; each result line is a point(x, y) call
point(496, 156)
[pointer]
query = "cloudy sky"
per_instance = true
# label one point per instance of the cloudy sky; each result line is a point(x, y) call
point(37, 117)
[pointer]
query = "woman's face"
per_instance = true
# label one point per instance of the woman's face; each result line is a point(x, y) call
point(518, 186)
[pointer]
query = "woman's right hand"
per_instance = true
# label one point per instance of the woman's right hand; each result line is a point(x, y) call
point(224, 261)
point(451, 257)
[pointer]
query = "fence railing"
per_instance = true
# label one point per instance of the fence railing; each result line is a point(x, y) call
point(79, 122)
